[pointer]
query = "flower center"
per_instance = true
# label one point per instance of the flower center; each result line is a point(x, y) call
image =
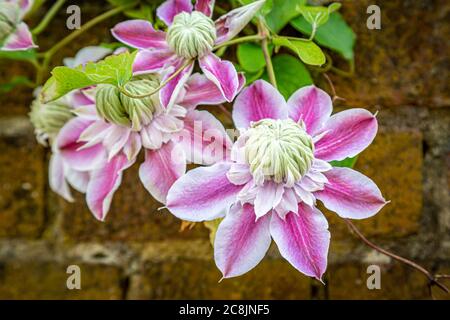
point(191, 35)
point(116, 107)
point(278, 150)
point(49, 118)
point(9, 17)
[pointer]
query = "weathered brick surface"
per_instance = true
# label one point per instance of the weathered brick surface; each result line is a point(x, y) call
point(400, 69)
point(48, 281)
point(349, 281)
point(404, 63)
point(394, 162)
point(134, 216)
point(199, 279)
point(22, 180)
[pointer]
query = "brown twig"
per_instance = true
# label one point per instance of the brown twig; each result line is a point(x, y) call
point(433, 279)
point(333, 90)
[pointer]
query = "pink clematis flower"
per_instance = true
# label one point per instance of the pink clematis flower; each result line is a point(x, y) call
point(279, 167)
point(101, 149)
point(15, 34)
point(191, 35)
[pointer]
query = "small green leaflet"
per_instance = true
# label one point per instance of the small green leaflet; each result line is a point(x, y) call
point(336, 34)
point(115, 70)
point(307, 51)
point(265, 8)
point(346, 163)
point(318, 16)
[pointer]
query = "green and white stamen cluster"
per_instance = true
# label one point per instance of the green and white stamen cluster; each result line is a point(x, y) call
point(278, 150)
point(49, 118)
point(118, 108)
point(191, 35)
point(9, 17)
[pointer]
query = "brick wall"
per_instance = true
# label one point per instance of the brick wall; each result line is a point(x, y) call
point(139, 252)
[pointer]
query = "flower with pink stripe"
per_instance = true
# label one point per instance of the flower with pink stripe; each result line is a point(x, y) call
point(14, 33)
point(105, 137)
point(191, 35)
point(278, 169)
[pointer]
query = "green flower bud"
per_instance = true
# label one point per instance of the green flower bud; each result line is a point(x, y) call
point(279, 150)
point(121, 109)
point(9, 17)
point(49, 118)
point(191, 35)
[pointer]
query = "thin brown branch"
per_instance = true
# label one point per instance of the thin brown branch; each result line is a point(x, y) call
point(333, 90)
point(433, 280)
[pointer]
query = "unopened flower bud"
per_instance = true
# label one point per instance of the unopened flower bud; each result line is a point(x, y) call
point(278, 150)
point(9, 17)
point(191, 35)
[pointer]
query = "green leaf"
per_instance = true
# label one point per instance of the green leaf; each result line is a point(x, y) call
point(115, 70)
point(18, 55)
point(144, 12)
point(251, 57)
point(251, 77)
point(307, 51)
point(282, 12)
point(265, 8)
point(14, 82)
point(318, 16)
point(336, 34)
point(346, 163)
point(64, 80)
point(290, 73)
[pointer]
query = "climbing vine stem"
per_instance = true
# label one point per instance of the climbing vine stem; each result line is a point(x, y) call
point(433, 279)
point(264, 33)
point(43, 68)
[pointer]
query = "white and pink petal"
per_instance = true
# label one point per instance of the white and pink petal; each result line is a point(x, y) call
point(258, 101)
point(205, 6)
point(170, 92)
point(222, 73)
point(170, 8)
point(203, 193)
point(72, 151)
point(148, 61)
point(241, 242)
point(199, 90)
point(351, 194)
point(230, 24)
point(303, 240)
point(20, 40)
point(57, 177)
point(161, 169)
point(204, 138)
point(139, 34)
point(103, 184)
point(311, 105)
point(347, 133)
